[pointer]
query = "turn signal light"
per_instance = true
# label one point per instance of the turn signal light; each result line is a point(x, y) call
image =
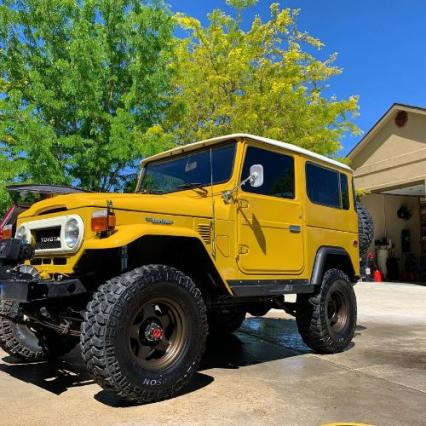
point(7, 232)
point(103, 220)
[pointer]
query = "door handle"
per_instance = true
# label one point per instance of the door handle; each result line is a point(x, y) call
point(295, 228)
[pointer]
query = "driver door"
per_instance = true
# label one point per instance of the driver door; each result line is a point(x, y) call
point(269, 217)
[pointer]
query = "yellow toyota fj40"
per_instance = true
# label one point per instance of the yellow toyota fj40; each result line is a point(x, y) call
point(215, 229)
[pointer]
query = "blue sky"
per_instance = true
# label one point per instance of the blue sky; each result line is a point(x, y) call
point(381, 46)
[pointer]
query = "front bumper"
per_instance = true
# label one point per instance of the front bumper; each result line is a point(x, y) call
point(25, 291)
point(22, 287)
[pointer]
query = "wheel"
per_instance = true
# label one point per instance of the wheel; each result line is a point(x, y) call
point(144, 333)
point(365, 229)
point(327, 320)
point(27, 344)
point(226, 320)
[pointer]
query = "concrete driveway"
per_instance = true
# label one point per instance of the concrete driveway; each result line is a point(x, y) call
point(264, 374)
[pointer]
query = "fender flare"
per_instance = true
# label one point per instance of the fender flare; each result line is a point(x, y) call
point(321, 258)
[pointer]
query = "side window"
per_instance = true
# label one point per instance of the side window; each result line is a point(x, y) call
point(327, 187)
point(322, 185)
point(278, 173)
point(344, 187)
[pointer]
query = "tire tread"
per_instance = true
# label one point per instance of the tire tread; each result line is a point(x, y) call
point(52, 345)
point(98, 352)
point(310, 317)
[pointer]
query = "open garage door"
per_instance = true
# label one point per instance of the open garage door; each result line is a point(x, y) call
point(399, 216)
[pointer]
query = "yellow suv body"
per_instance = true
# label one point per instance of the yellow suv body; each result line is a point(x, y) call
point(256, 236)
point(246, 219)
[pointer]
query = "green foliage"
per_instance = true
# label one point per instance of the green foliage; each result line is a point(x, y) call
point(241, 4)
point(88, 87)
point(83, 86)
point(262, 81)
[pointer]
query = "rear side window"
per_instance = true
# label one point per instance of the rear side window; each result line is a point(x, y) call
point(344, 187)
point(327, 187)
point(278, 173)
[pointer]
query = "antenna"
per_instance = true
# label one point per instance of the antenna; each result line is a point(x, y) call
point(213, 222)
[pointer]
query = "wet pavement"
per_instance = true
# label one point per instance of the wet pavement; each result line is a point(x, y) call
point(262, 374)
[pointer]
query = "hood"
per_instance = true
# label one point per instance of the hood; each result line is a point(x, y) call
point(167, 203)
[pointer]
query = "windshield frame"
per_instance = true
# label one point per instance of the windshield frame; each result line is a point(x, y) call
point(184, 154)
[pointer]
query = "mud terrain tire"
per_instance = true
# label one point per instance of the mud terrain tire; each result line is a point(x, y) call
point(28, 345)
point(327, 319)
point(144, 333)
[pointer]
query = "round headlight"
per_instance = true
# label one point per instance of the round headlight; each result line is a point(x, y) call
point(21, 233)
point(72, 233)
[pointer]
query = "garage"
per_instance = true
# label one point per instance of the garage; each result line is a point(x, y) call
point(390, 176)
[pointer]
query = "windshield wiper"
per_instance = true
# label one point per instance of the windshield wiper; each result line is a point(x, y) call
point(192, 185)
point(152, 191)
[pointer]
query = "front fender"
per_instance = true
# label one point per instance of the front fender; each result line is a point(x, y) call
point(126, 234)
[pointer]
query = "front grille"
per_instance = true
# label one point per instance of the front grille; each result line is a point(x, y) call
point(48, 238)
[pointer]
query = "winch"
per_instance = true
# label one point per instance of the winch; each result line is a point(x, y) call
point(14, 251)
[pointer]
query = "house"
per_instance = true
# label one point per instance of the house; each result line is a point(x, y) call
point(390, 170)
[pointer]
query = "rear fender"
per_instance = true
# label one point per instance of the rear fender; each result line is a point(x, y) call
point(328, 257)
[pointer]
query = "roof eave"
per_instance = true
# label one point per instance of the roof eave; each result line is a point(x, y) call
point(380, 123)
point(237, 136)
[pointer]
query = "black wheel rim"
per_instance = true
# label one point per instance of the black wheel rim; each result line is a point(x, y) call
point(158, 334)
point(337, 311)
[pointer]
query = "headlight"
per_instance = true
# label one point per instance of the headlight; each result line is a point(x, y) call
point(72, 233)
point(21, 233)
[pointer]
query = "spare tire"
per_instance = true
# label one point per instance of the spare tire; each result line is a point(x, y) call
point(365, 229)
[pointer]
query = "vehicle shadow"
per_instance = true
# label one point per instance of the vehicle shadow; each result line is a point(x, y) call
point(59, 376)
point(54, 376)
point(252, 344)
point(259, 340)
point(198, 381)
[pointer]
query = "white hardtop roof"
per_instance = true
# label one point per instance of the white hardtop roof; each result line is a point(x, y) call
point(287, 146)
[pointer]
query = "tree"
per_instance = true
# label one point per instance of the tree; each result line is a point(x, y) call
point(259, 81)
point(83, 87)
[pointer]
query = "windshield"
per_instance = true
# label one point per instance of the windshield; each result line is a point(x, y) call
point(189, 170)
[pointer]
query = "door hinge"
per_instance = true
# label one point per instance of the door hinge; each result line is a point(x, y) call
point(243, 204)
point(243, 250)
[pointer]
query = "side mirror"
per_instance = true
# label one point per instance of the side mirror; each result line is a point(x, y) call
point(256, 175)
point(255, 180)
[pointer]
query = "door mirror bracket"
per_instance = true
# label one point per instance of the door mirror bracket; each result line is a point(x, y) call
point(255, 180)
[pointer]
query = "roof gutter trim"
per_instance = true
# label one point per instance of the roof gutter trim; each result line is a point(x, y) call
point(267, 141)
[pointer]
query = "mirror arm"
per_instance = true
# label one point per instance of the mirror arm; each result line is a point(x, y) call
point(227, 195)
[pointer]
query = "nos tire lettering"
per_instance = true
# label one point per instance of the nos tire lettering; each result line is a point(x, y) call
point(152, 382)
